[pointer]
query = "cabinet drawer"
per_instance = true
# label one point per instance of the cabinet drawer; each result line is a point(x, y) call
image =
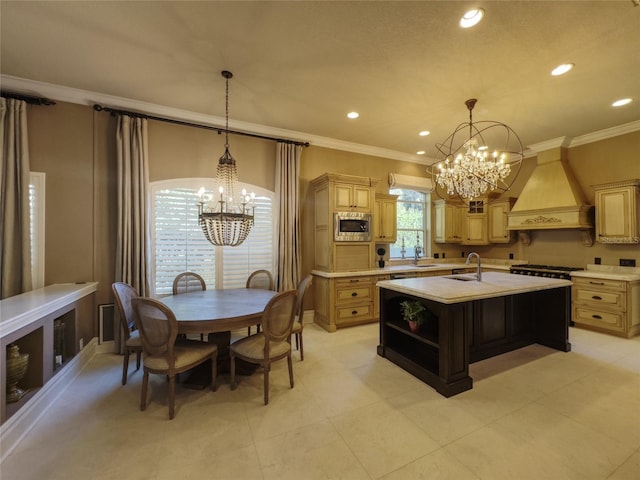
point(352, 282)
point(355, 312)
point(580, 282)
point(358, 293)
point(612, 321)
point(595, 298)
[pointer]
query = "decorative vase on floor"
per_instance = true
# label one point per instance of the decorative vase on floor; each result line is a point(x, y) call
point(16, 368)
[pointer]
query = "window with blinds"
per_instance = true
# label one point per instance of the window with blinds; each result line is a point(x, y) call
point(178, 244)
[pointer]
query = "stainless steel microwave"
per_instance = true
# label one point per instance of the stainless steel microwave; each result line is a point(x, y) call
point(352, 227)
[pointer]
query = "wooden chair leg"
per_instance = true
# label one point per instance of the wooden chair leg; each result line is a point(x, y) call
point(290, 362)
point(125, 367)
point(172, 396)
point(232, 359)
point(297, 343)
point(301, 347)
point(267, 367)
point(138, 356)
point(143, 395)
point(248, 331)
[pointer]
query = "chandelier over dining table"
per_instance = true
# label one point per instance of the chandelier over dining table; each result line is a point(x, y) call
point(226, 219)
point(468, 167)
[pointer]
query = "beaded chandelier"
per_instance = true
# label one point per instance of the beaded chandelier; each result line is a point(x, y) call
point(227, 221)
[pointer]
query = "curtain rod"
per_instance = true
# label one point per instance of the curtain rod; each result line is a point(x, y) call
point(113, 112)
point(31, 100)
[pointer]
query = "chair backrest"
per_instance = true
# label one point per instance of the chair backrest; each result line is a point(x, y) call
point(277, 318)
point(187, 282)
point(124, 293)
point(260, 279)
point(157, 325)
point(303, 287)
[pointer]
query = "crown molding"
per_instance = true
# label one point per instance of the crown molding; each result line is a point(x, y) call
point(84, 97)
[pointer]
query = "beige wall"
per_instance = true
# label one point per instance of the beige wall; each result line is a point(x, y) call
point(75, 147)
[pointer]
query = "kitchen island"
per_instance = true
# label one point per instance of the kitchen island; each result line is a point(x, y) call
point(469, 320)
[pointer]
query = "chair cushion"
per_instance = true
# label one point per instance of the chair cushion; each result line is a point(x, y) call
point(187, 352)
point(134, 340)
point(253, 347)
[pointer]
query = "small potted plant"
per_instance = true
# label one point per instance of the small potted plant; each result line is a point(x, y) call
point(413, 313)
point(381, 252)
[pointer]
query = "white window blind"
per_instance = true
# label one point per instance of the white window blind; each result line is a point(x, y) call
point(178, 244)
point(36, 227)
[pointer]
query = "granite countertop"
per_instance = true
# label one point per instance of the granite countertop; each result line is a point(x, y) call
point(609, 272)
point(445, 289)
point(424, 265)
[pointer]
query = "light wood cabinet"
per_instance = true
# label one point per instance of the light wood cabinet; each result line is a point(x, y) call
point(448, 218)
point(385, 218)
point(376, 294)
point(344, 301)
point(606, 305)
point(475, 224)
point(350, 197)
point(618, 212)
point(336, 193)
point(497, 221)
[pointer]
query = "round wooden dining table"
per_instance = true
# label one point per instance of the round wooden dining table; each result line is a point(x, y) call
point(217, 313)
point(212, 311)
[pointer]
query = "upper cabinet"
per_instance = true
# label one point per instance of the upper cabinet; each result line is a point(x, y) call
point(385, 218)
point(447, 222)
point(498, 211)
point(618, 212)
point(350, 197)
point(479, 223)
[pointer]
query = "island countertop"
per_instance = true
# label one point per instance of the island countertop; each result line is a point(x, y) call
point(450, 289)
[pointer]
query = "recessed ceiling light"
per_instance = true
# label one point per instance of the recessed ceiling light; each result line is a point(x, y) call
point(562, 69)
point(424, 133)
point(621, 102)
point(471, 18)
point(420, 152)
point(353, 115)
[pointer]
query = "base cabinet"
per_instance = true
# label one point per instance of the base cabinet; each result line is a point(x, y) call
point(455, 335)
point(344, 301)
point(605, 305)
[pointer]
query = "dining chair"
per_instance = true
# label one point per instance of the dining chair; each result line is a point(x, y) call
point(123, 294)
point(260, 279)
point(187, 282)
point(298, 325)
point(272, 344)
point(163, 355)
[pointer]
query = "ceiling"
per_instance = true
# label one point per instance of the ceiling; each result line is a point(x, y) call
point(300, 66)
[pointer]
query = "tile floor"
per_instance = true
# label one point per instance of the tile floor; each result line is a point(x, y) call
point(533, 414)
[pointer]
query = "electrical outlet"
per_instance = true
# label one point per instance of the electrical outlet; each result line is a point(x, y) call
point(597, 260)
point(511, 256)
point(81, 343)
point(627, 262)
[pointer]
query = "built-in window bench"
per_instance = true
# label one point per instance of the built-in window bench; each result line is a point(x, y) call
point(53, 325)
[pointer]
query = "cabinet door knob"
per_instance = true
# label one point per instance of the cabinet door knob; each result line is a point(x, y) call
point(354, 294)
point(355, 312)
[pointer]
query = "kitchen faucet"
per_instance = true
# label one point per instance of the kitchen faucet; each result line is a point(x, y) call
point(479, 273)
point(417, 251)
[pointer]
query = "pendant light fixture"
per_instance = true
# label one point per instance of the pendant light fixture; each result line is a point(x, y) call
point(227, 219)
point(468, 169)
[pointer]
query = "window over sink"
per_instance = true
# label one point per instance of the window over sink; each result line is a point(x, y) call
point(413, 222)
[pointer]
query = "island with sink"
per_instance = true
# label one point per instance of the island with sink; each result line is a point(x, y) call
point(467, 320)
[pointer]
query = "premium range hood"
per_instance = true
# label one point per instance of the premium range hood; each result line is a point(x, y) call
point(551, 199)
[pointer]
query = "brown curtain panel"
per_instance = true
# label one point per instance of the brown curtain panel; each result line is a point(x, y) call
point(287, 190)
point(132, 239)
point(15, 252)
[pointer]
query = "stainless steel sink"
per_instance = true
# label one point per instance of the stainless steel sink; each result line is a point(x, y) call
point(462, 279)
point(431, 265)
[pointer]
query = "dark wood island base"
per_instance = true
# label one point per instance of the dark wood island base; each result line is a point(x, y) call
point(458, 334)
